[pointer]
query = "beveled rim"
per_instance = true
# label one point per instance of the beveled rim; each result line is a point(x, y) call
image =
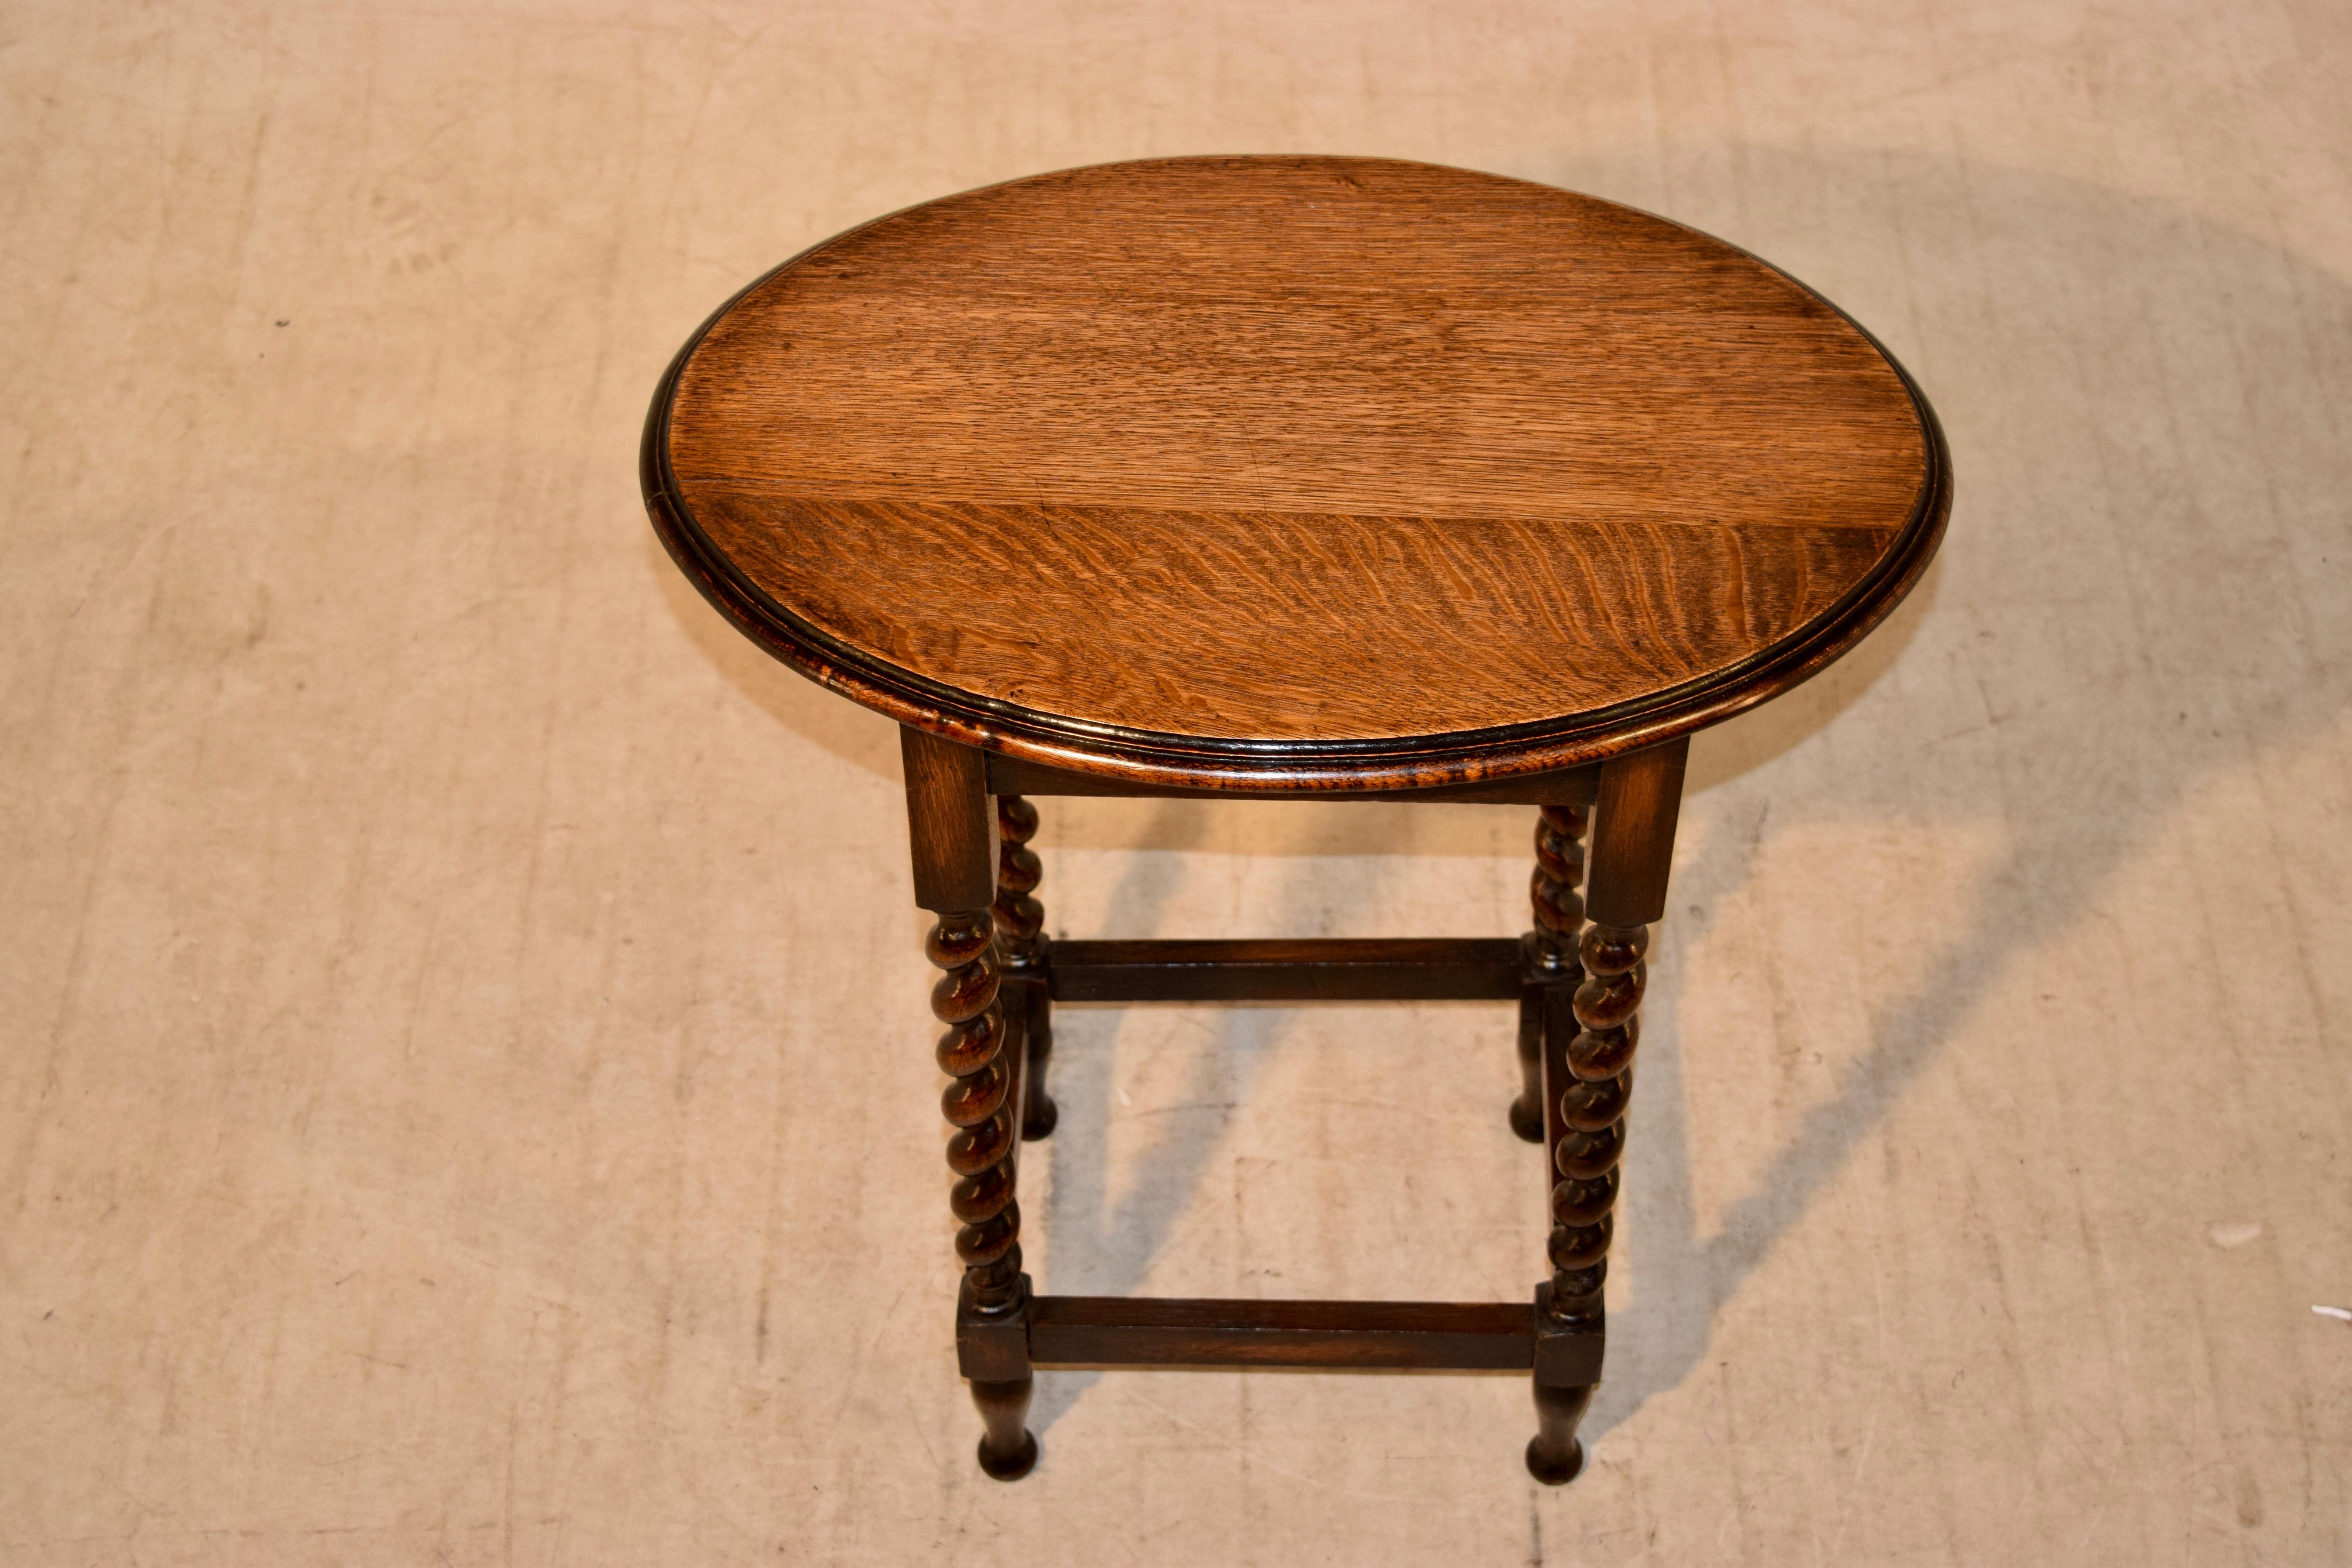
point(1158, 758)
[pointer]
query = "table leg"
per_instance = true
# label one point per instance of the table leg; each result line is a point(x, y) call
point(1632, 848)
point(954, 840)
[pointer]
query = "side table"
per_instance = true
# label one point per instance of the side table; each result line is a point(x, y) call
point(1278, 478)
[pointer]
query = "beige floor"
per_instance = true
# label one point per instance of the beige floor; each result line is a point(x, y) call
point(467, 1093)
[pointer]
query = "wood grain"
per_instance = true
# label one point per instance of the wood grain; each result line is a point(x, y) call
point(1634, 840)
point(1300, 335)
point(950, 825)
point(1295, 472)
point(1287, 626)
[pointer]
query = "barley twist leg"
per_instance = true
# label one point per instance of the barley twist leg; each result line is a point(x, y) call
point(1548, 953)
point(980, 1105)
point(1592, 1138)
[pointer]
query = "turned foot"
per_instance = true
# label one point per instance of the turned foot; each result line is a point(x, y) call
point(1550, 1472)
point(1554, 1455)
point(1008, 1449)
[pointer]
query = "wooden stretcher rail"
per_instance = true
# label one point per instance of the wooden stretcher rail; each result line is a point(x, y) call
point(1383, 969)
point(1428, 1336)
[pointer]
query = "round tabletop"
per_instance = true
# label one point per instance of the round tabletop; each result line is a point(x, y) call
point(1293, 472)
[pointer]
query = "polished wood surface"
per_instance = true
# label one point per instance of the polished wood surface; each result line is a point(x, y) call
point(1294, 473)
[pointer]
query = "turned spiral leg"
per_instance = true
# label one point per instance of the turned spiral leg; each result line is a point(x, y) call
point(1592, 1114)
point(1587, 1037)
point(1548, 953)
point(1591, 1137)
point(957, 859)
point(980, 1105)
point(977, 1105)
point(1022, 945)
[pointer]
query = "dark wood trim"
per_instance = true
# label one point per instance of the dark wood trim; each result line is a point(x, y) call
point(1427, 1336)
point(1570, 786)
point(1327, 969)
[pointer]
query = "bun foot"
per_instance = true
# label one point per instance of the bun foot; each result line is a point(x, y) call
point(1022, 1460)
point(1550, 1471)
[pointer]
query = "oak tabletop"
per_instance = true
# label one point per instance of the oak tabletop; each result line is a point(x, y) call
point(1307, 472)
